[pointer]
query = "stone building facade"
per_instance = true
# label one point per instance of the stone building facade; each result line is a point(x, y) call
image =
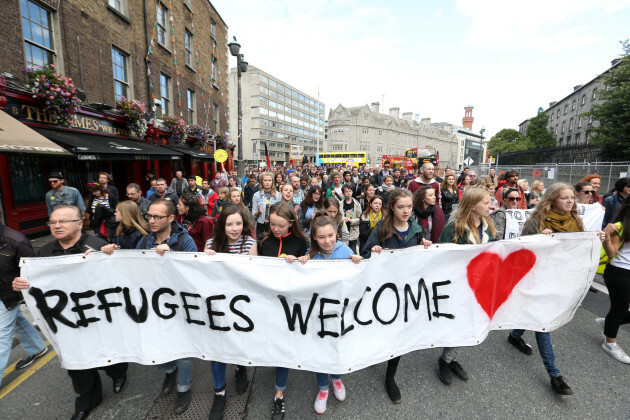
point(169, 53)
point(364, 128)
point(275, 114)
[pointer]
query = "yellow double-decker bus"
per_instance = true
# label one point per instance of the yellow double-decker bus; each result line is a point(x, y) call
point(342, 158)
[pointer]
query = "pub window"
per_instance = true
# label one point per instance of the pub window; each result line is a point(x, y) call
point(165, 94)
point(188, 42)
point(215, 118)
point(192, 107)
point(119, 5)
point(37, 28)
point(162, 18)
point(121, 82)
point(213, 29)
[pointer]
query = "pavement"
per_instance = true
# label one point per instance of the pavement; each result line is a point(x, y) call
point(504, 383)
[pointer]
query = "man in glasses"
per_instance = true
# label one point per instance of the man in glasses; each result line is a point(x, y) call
point(65, 224)
point(62, 194)
point(511, 198)
point(134, 193)
point(163, 191)
point(512, 182)
point(167, 235)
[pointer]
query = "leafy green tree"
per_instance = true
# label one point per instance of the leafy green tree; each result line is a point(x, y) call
point(506, 141)
point(537, 133)
point(611, 131)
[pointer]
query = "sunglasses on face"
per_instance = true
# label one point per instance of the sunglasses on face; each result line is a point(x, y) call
point(587, 192)
point(54, 181)
point(514, 198)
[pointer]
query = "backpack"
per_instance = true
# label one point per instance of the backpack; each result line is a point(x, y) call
point(603, 258)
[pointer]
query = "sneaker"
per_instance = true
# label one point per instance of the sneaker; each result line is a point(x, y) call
point(277, 412)
point(560, 386)
point(520, 344)
point(615, 351)
point(444, 372)
point(216, 412)
point(392, 390)
point(241, 379)
point(29, 360)
point(338, 389)
point(600, 324)
point(320, 402)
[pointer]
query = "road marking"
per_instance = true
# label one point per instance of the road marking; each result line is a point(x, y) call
point(12, 367)
point(600, 287)
point(38, 365)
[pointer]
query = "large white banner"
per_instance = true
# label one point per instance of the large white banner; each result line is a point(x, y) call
point(592, 216)
point(326, 316)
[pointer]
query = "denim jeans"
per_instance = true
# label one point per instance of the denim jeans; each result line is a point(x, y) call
point(218, 375)
point(184, 372)
point(543, 339)
point(13, 322)
point(323, 382)
point(282, 376)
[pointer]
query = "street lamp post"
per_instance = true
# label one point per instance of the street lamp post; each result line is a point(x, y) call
point(241, 67)
point(483, 145)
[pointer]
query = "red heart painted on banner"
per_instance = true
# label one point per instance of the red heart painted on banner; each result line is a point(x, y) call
point(493, 279)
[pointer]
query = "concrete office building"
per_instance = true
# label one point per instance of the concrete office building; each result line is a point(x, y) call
point(364, 128)
point(275, 114)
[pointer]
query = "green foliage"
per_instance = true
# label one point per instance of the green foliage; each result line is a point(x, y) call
point(537, 133)
point(611, 131)
point(506, 141)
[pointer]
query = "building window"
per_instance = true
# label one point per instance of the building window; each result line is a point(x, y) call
point(121, 82)
point(551, 118)
point(573, 106)
point(161, 24)
point(365, 130)
point(38, 34)
point(562, 130)
point(571, 124)
point(590, 120)
point(192, 107)
point(566, 108)
point(119, 5)
point(215, 118)
point(188, 3)
point(555, 130)
point(213, 29)
point(579, 122)
point(577, 138)
point(583, 100)
point(188, 43)
point(214, 68)
point(558, 114)
point(165, 93)
point(380, 132)
point(594, 94)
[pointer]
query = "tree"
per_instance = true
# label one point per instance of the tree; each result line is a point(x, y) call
point(612, 131)
point(537, 133)
point(506, 141)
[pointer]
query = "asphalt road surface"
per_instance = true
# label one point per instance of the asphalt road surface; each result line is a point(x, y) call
point(504, 383)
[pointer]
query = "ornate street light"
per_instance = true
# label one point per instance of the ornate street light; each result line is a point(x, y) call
point(241, 67)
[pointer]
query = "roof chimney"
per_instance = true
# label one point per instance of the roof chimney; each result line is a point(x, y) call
point(416, 117)
point(468, 119)
point(576, 87)
point(407, 116)
point(426, 121)
point(552, 103)
point(615, 61)
point(393, 112)
point(375, 107)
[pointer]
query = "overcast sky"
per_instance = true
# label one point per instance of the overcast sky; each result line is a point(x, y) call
point(432, 57)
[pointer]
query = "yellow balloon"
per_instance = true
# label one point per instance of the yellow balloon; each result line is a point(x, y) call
point(220, 155)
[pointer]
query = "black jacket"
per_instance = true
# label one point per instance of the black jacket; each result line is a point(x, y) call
point(85, 242)
point(128, 239)
point(248, 194)
point(13, 246)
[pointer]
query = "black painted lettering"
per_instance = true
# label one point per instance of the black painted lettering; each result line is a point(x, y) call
point(81, 309)
point(345, 330)
point(50, 314)
point(356, 309)
point(212, 314)
point(138, 316)
point(187, 307)
point(416, 303)
point(250, 323)
point(377, 296)
point(437, 297)
point(297, 313)
point(105, 305)
point(322, 317)
point(156, 303)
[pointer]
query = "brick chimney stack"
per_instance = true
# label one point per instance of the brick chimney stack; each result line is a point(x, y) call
point(468, 119)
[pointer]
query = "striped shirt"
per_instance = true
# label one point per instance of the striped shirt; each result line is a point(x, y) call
point(235, 248)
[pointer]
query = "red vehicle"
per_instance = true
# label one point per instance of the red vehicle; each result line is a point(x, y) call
point(420, 155)
point(398, 161)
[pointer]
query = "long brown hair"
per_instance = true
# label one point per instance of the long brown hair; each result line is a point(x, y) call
point(333, 202)
point(286, 211)
point(387, 229)
point(543, 207)
point(463, 216)
point(444, 185)
point(419, 195)
point(130, 218)
point(368, 209)
point(320, 220)
point(220, 239)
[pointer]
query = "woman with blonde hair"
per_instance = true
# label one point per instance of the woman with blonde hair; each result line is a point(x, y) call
point(262, 201)
point(556, 212)
point(538, 188)
point(131, 227)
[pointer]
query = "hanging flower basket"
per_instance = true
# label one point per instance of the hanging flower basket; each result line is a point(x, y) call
point(221, 139)
point(176, 126)
point(56, 91)
point(134, 113)
point(197, 135)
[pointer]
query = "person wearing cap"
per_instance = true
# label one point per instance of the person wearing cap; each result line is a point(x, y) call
point(62, 194)
point(512, 182)
point(511, 198)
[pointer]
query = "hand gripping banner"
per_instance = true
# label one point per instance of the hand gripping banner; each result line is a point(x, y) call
point(325, 316)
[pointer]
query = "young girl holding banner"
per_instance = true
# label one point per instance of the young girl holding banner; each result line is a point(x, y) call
point(231, 235)
point(469, 224)
point(285, 239)
point(326, 246)
point(395, 231)
point(556, 212)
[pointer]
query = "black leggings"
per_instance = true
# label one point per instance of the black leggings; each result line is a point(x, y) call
point(618, 283)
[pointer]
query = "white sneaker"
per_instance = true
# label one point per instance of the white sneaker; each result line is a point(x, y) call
point(615, 351)
point(600, 323)
point(320, 402)
point(338, 389)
